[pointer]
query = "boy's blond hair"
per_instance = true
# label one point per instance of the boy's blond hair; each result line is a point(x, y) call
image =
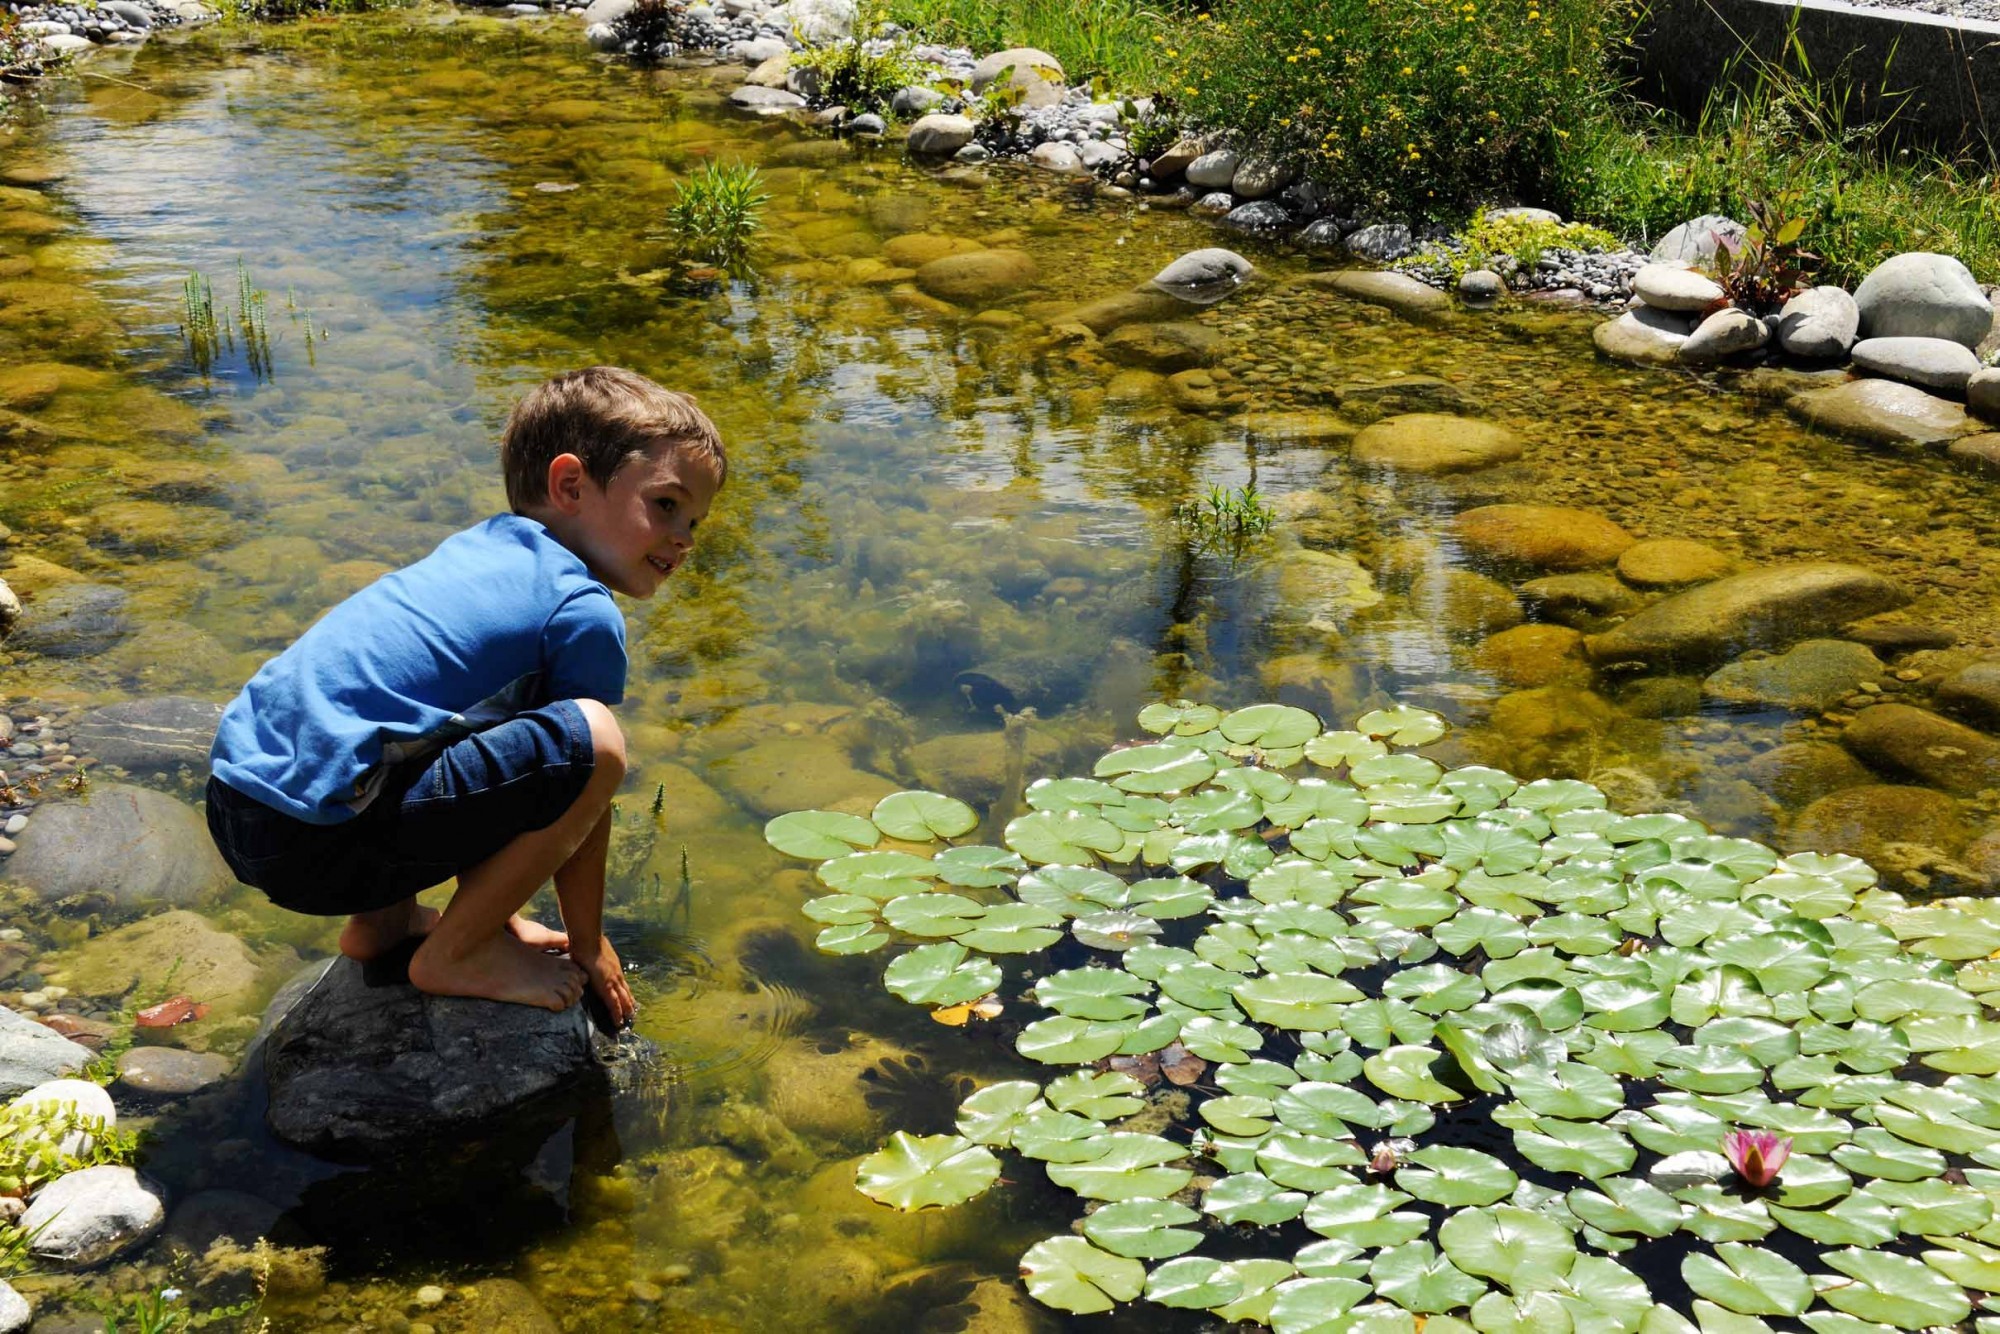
point(603, 415)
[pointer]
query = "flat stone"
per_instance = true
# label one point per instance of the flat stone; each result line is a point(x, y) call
point(1580, 600)
point(1434, 443)
point(1059, 158)
point(1176, 159)
point(771, 73)
point(1771, 608)
point(1861, 821)
point(1801, 772)
point(1672, 562)
point(1976, 453)
point(1395, 292)
point(1643, 335)
point(1370, 401)
point(917, 249)
point(1671, 287)
point(1110, 312)
point(1819, 324)
point(135, 846)
point(150, 734)
point(1203, 277)
point(73, 620)
point(1894, 633)
point(1973, 694)
point(1547, 538)
point(1727, 333)
point(93, 1215)
point(31, 1055)
point(1809, 677)
point(1382, 242)
point(766, 101)
point(1929, 363)
point(1902, 741)
point(980, 277)
point(170, 1071)
point(1037, 74)
point(1169, 346)
point(1923, 295)
point(1881, 412)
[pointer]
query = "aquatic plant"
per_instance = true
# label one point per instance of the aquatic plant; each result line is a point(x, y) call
point(1508, 242)
point(209, 330)
point(200, 329)
point(44, 1140)
point(1473, 1047)
point(1768, 266)
point(251, 323)
point(717, 209)
point(1226, 519)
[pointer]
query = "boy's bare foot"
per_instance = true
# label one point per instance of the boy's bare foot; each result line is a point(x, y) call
point(536, 936)
point(370, 935)
point(501, 968)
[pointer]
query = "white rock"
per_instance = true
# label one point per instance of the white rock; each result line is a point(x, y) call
point(10, 616)
point(1819, 323)
point(1261, 177)
point(1205, 276)
point(43, 28)
point(1982, 394)
point(1060, 158)
point(766, 101)
point(1696, 240)
point(1724, 334)
point(193, 11)
point(1669, 287)
point(939, 133)
point(1213, 171)
point(31, 1054)
point(758, 50)
point(65, 43)
point(1643, 334)
point(815, 22)
point(1922, 295)
point(15, 1314)
point(1523, 214)
point(606, 11)
point(86, 1098)
point(1929, 363)
point(1096, 153)
point(601, 36)
point(92, 1215)
point(1037, 74)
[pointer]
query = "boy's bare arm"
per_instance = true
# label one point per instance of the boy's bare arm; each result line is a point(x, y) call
point(580, 894)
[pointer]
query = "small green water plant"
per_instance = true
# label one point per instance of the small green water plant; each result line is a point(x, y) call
point(42, 1141)
point(1510, 242)
point(252, 323)
point(209, 330)
point(1769, 266)
point(1227, 519)
point(200, 329)
point(717, 210)
point(856, 77)
point(1337, 1038)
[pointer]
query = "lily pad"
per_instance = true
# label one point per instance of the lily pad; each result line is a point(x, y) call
point(1143, 1229)
point(1749, 1280)
point(819, 835)
point(1520, 1248)
point(940, 974)
point(1070, 1274)
point(1893, 1289)
point(926, 1171)
point(1456, 1177)
point(920, 817)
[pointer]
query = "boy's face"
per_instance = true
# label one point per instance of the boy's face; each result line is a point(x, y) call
point(637, 530)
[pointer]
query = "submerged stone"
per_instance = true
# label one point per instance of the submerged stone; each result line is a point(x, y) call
point(973, 765)
point(978, 278)
point(1973, 693)
point(796, 774)
point(1771, 608)
point(1902, 741)
point(1579, 600)
point(73, 620)
point(1172, 346)
point(1426, 442)
point(132, 845)
point(150, 734)
point(1541, 537)
point(32, 1054)
point(1203, 277)
point(1672, 562)
point(1110, 312)
point(1807, 678)
point(1881, 412)
point(1801, 772)
point(1395, 292)
point(93, 1215)
point(1528, 656)
point(1860, 821)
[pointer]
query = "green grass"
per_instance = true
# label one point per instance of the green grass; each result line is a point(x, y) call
point(1118, 41)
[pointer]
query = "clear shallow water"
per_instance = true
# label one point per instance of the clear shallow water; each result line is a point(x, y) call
point(917, 493)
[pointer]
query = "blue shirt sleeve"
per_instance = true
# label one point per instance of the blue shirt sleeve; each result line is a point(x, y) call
point(583, 649)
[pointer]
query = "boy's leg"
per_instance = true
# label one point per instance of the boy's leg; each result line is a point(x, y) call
point(470, 952)
point(369, 935)
point(580, 891)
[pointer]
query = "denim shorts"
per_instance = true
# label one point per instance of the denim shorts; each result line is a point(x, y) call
point(436, 816)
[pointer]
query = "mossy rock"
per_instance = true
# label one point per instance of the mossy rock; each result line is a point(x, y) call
point(176, 953)
point(1430, 443)
point(1807, 678)
point(916, 249)
point(1175, 345)
point(1465, 605)
point(978, 278)
point(1861, 821)
point(799, 773)
point(1528, 656)
point(973, 765)
point(154, 528)
point(1549, 538)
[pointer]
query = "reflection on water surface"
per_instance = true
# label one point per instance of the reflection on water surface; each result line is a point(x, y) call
point(935, 509)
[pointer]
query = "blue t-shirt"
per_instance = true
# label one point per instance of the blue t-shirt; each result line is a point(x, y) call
point(499, 619)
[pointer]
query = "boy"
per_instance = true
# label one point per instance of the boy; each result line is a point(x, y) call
point(452, 719)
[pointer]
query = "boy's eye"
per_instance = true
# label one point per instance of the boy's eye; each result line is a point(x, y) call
point(668, 504)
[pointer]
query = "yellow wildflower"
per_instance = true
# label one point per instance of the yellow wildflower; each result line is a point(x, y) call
point(1463, 70)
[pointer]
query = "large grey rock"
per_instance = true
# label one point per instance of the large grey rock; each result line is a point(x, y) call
point(1037, 74)
point(169, 1071)
point(137, 846)
point(355, 1070)
point(92, 1215)
point(1982, 394)
point(72, 621)
point(1382, 242)
point(1203, 277)
point(815, 22)
point(766, 101)
point(1772, 608)
point(1481, 287)
point(1214, 204)
point(1807, 678)
point(1056, 157)
point(914, 100)
point(1263, 217)
point(1902, 741)
point(136, 15)
point(1213, 171)
point(1322, 236)
point(1671, 287)
point(757, 50)
point(1819, 324)
point(1644, 335)
point(1260, 177)
point(1923, 295)
point(1727, 333)
point(149, 734)
point(1696, 240)
point(601, 37)
point(31, 1055)
point(938, 134)
point(607, 11)
point(1928, 363)
point(1881, 412)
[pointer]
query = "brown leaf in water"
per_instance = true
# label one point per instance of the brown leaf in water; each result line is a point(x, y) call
point(1144, 1068)
point(177, 1010)
point(1180, 1065)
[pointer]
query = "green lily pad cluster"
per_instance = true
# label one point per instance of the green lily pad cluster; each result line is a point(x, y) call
point(1456, 1049)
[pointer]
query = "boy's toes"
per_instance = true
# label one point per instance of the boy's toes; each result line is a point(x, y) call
point(536, 936)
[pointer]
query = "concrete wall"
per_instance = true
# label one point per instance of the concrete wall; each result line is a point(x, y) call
point(1949, 67)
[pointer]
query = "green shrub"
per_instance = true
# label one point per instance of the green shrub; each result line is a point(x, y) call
point(1489, 240)
point(1416, 105)
point(716, 210)
point(1113, 39)
point(851, 77)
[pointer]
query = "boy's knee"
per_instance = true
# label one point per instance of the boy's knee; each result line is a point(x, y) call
point(606, 739)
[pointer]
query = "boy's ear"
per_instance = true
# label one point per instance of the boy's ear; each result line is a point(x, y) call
point(566, 482)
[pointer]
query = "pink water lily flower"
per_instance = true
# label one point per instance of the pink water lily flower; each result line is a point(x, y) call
point(1756, 1154)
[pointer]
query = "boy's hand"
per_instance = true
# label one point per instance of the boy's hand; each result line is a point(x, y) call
point(607, 980)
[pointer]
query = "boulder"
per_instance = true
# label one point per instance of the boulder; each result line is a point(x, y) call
point(917, 249)
point(1110, 312)
point(357, 1067)
point(1214, 204)
point(1727, 333)
point(1529, 656)
point(1973, 693)
point(1801, 772)
point(814, 22)
point(1202, 277)
point(1978, 454)
point(1929, 363)
point(607, 11)
point(766, 101)
point(72, 620)
point(1982, 394)
point(1382, 242)
point(1580, 600)
point(1465, 605)
point(1819, 324)
point(602, 37)
point(1771, 608)
point(1923, 295)
point(1644, 335)
point(979, 277)
point(1260, 177)
point(1434, 443)
point(1880, 412)
point(1673, 287)
point(163, 1072)
point(177, 952)
point(913, 101)
point(1481, 287)
point(15, 1313)
point(1548, 538)
point(1807, 678)
point(1055, 157)
point(1903, 741)
point(89, 1216)
point(31, 1055)
point(1037, 74)
point(1396, 292)
point(1322, 236)
point(1860, 821)
point(1696, 241)
point(1262, 217)
point(1672, 562)
point(79, 1096)
point(1170, 346)
point(1213, 171)
point(939, 134)
point(972, 766)
point(137, 846)
point(145, 735)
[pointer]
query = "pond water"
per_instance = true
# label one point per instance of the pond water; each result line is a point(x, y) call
point(933, 509)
